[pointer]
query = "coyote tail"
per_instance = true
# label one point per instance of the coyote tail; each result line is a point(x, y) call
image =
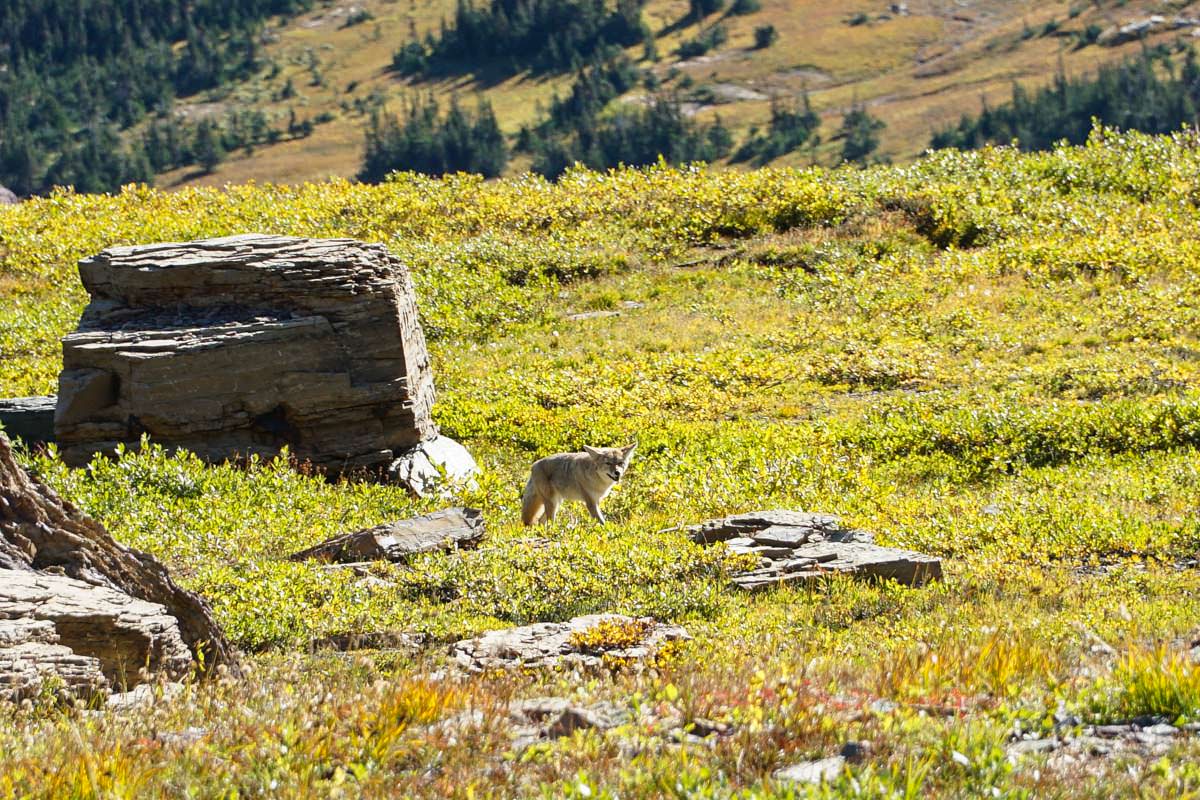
point(531, 504)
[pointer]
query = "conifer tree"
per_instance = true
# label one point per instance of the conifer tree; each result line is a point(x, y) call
point(860, 135)
point(208, 147)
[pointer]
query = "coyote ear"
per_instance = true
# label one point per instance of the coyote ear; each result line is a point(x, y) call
point(628, 449)
point(591, 451)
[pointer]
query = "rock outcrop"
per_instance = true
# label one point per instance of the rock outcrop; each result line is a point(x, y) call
point(8, 197)
point(91, 638)
point(795, 546)
point(77, 604)
point(450, 529)
point(588, 641)
point(246, 344)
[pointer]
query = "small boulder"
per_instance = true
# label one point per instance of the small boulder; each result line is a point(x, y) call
point(434, 466)
point(144, 695)
point(1029, 746)
point(856, 752)
point(555, 717)
point(820, 771)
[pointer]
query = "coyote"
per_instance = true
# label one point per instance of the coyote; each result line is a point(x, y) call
point(586, 476)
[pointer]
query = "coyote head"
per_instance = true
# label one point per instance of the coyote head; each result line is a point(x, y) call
point(611, 461)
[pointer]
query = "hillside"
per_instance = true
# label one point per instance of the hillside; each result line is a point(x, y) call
point(991, 357)
point(918, 71)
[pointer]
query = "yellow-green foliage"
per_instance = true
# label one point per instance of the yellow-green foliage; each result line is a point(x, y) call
point(610, 634)
point(1154, 681)
point(992, 357)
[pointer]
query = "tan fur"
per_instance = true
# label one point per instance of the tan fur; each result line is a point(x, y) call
point(586, 477)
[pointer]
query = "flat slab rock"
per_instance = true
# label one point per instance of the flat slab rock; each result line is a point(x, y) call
point(243, 345)
point(799, 547)
point(450, 529)
point(30, 419)
point(549, 644)
point(547, 718)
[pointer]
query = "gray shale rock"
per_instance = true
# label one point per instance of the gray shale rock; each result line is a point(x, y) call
point(147, 694)
point(242, 345)
point(8, 197)
point(799, 547)
point(1027, 746)
point(548, 644)
point(450, 529)
point(76, 605)
point(30, 653)
point(30, 419)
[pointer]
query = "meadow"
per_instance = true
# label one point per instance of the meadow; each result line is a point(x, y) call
point(992, 357)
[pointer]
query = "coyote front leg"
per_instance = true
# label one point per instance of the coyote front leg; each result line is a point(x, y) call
point(593, 507)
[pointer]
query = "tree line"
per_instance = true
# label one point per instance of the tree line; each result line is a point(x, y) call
point(542, 35)
point(1147, 93)
point(424, 140)
point(580, 128)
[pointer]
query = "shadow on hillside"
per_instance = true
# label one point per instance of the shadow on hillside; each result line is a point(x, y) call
point(186, 177)
point(676, 26)
point(479, 76)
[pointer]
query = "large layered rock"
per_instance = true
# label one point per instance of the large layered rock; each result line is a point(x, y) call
point(76, 604)
point(799, 547)
point(242, 345)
